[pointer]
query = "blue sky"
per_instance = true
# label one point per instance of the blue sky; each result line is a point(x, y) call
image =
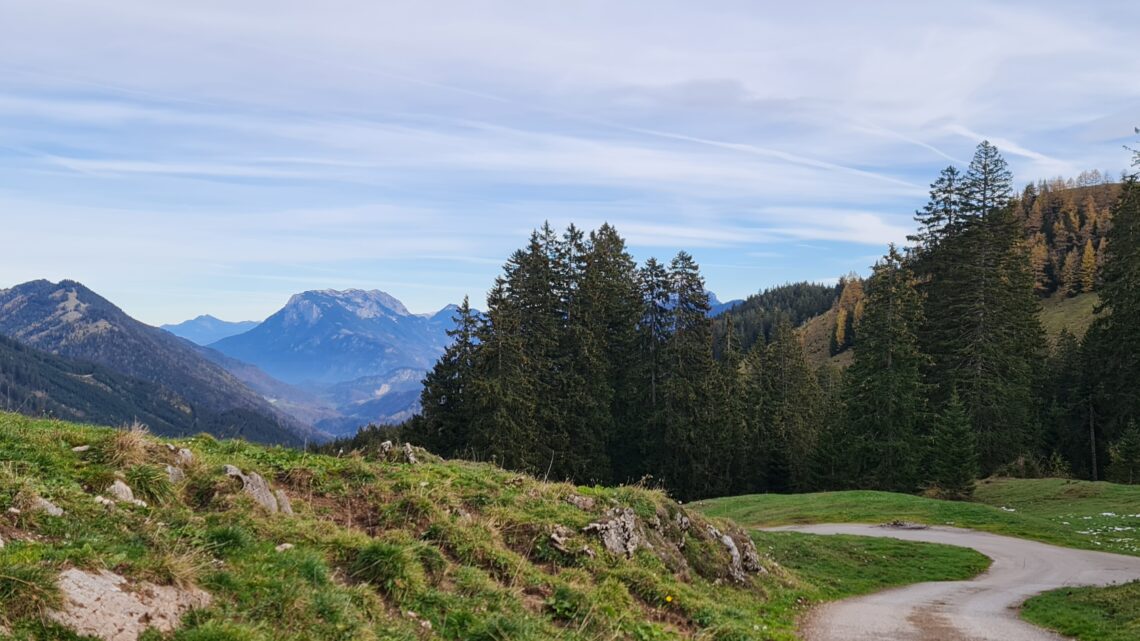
point(215, 156)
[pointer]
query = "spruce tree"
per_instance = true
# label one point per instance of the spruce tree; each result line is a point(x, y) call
point(446, 397)
point(692, 442)
point(1113, 343)
point(954, 457)
point(981, 330)
point(790, 412)
point(1126, 457)
point(885, 392)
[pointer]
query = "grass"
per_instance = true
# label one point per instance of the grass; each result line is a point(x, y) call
point(1079, 514)
point(392, 551)
point(1074, 314)
point(1089, 614)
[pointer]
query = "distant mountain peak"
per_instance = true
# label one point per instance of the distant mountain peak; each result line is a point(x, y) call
point(365, 304)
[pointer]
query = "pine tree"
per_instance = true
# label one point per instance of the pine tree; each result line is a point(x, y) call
point(789, 423)
point(954, 458)
point(1113, 343)
point(611, 309)
point(942, 215)
point(693, 441)
point(981, 330)
point(1088, 267)
point(1070, 274)
point(446, 398)
point(1126, 457)
point(885, 393)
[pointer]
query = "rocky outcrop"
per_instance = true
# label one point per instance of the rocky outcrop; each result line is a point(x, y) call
point(619, 533)
point(258, 488)
point(106, 606)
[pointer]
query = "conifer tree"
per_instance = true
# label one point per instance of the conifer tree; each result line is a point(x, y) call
point(981, 330)
point(791, 407)
point(1088, 267)
point(692, 465)
point(446, 398)
point(954, 459)
point(885, 393)
point(1126, 457)
point(1113, 343)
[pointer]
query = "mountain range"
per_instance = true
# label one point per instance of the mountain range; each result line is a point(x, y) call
point(206, 329)
point(70, 322)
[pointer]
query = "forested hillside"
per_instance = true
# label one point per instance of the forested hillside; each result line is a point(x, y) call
point(589, 367)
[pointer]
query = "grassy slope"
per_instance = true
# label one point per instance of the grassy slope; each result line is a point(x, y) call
point(1074, 314)
point(1095, 516)
point(1077, 514)
point(464, 546)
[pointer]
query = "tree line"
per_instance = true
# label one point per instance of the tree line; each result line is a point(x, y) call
point(589, 367)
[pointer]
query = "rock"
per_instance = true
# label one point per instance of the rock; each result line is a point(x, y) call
point(183, 457)
point(283, 502)
point(410, 454)
point(682, 521)
point(137, 502)
point(256, 487)
point(560, 537)
point(284, 547)
point(587, 551)
point(120, 492)
point(748, 560)
point(43, 505)
point(104, 501)
point(104, 605)
point(620, 533)
point(80, 449)
point(14, 511)
point(1, 543)
point(386, 447)
point(581, 502)
point(170, 448)
point(175, 474)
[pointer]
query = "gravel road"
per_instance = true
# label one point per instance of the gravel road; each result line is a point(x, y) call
point(982, 609)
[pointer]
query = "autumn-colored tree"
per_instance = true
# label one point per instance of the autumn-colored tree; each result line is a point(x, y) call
point(1088, 267)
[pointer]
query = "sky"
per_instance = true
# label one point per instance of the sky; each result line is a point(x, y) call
point(183, 158)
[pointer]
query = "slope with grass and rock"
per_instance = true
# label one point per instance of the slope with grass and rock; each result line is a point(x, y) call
point(122, 535)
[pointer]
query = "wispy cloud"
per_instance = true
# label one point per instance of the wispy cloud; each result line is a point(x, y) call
point(194, 157)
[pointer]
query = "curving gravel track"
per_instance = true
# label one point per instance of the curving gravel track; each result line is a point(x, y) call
point(982, 609)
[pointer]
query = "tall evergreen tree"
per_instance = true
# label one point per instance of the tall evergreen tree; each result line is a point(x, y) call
point(692, 465)
point(954, 456)
point(446, 398)
point(981, 330)
point(1113, 343)
point(789, 422)
point(885, 393)
point(1126, 457)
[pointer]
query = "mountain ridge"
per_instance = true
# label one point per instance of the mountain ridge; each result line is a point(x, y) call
point(68, 320)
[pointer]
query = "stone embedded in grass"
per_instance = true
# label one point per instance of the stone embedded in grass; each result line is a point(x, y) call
point(258, 488)
point(79, 449)
point(183, 457)
point(619, 533)
point(175, 474)
point(104, 605)
point(121, 492)
point(581, 502)
point(284, 547)
point(41, 504)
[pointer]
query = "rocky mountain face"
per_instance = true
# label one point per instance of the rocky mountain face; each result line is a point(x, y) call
point(347, 358)
point(206, 329)
point(70, 321)
point(325, 337)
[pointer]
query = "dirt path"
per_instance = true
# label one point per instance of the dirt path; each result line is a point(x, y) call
point(982, 609)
